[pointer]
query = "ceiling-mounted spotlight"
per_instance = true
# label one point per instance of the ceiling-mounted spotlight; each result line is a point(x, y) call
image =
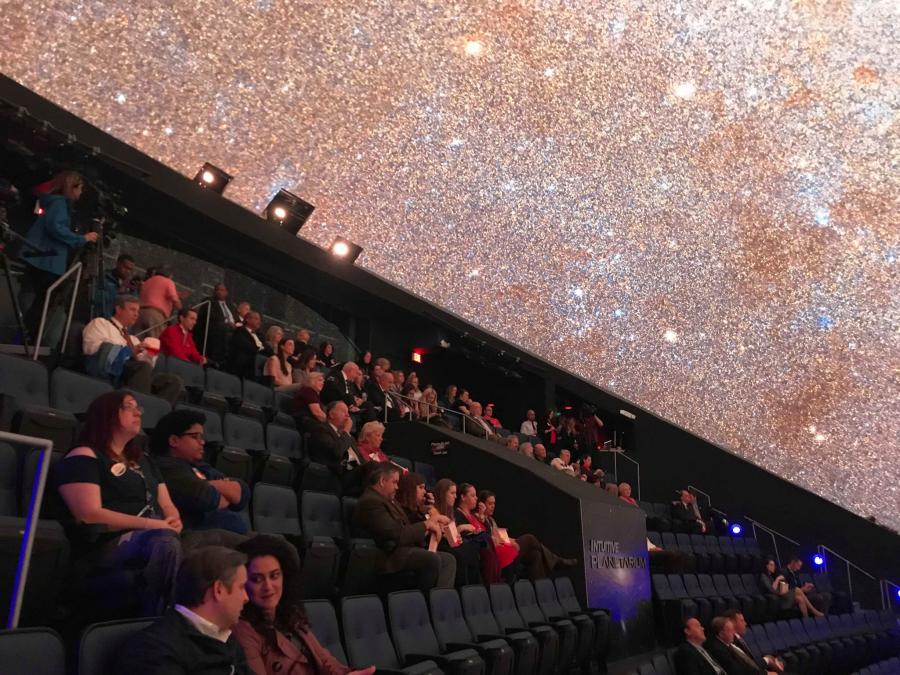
point(212, 178)
point(289, 211)
point(345, 249)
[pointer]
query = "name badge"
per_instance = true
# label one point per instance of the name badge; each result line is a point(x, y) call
point(118, 469)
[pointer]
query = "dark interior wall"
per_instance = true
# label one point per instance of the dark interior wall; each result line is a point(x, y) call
point(672, 458)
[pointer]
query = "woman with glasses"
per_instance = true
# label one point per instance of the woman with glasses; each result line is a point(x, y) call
point(120, 515)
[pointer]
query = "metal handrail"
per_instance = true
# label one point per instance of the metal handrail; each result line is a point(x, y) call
point(74, 269)
point(824, 549)
point(772, 533)
point(633, 461)
point(31, 520)
point(699, 491)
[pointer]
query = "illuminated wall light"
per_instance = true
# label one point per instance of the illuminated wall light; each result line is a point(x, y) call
point(212, 178)
point(736, 530)
point(818, 560)
point(416, 357)
point(289, 211)
point(345, 249)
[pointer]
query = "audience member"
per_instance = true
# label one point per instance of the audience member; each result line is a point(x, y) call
point(274, 631)
point(466, 549)
point(540, 453)
point(274, 335)
point(159, 298)
point(51, 233)
point(403, 542)
point(805, 593)
point(730, 657)
point(326, 358)
point(308, 403)
point(399, 380)
point(221, 323)
point(449, 397)
point(625, 494)
point(204, 496)
point(177, 340)
point(370, 437)
point(112, 352)
point(411, 391)
point(243, 309)
point(764, 663)
point(196, 636)
point(551, 427)
point(415, 500)
point(563, 462)
point(496, 557)
point(489, 416)
point(584, 467)
point(526, 449)
point(304, 366)
point(474, 425)
point(684, 512)
point(512, 442)
point(279, 368)
point(567, 436)
point(301, 340)
point(592, 433)
point(383, 406)
point(529, 426)
point(612, 489)
point(365, 362)
point(537, 560)
point(120, 514)
point(691, 658)
point(116, 281)
point(341, 386)
point(330, 442)
point(244, 346)
point(461, 404)
point(428, 407)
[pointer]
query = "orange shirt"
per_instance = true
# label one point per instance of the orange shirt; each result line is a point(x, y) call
point(159, 292)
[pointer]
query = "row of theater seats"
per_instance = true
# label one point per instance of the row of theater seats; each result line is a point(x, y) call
point(659, 517)
point(529, 630)
point(702, 596)
point(826, 646)
point(711, 553)
point(887, 667)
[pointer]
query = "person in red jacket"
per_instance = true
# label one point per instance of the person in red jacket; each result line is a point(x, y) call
point(176, 340)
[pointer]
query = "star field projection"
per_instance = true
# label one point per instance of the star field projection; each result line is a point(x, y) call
point(694, 205)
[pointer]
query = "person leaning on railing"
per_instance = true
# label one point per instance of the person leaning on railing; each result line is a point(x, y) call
point(52, 234)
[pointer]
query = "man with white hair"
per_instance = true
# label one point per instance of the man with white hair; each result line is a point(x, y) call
point(564, 462)
point(475, 425)
point(527, 449)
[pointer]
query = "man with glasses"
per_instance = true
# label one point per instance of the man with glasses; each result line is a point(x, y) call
point(205, 497)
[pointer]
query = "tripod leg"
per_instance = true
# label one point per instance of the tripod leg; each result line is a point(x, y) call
point(15, 302)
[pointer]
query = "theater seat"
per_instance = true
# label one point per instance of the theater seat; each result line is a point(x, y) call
point(476, 608)
point(526, 601)
point(565, 591)
point(324, 625)
point(368, 641)
point(100, 644)
point(155, 408)
point(275, 510)
point(32, 651)
point(415, 639)
point(545, 592)
point(453, 633)
point(9, 462)
point(510, 620)
point(73, 392)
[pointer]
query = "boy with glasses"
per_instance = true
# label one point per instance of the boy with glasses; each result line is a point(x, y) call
point(205, 497)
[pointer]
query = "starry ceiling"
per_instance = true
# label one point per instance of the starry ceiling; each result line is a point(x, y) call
point(693, 205)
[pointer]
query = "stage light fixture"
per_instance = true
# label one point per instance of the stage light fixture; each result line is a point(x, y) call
point(345, 250)
point(736, 530)
point(212, 178)
point(818, 560)
point(289, 211)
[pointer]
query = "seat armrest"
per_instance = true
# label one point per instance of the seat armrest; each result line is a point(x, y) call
point(483, 637)
point(412, 659)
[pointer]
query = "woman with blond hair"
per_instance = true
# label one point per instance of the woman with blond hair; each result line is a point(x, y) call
point(370, 437)
point(52, 234)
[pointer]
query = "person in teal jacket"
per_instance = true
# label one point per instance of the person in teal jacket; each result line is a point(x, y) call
point(51, 233)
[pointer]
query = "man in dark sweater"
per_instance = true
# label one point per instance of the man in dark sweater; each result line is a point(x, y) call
point(205, 497)
point(195, 637)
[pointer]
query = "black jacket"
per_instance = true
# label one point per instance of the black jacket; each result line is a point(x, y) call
point(217, 340)
point(688, 661)
point(242, 351)
point(172, 646)
point(338, 389)
point(730, 660)
point(327, 446)
point(377, 403)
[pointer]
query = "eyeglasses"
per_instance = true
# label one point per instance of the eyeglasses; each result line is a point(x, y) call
point(196, 435)
point(133, 407)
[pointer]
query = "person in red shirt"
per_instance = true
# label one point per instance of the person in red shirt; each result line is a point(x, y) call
point(176, 340)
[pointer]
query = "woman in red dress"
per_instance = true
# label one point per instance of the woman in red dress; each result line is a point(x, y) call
point(496, 557)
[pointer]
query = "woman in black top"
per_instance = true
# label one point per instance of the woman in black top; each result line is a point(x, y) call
point(107, 481)
point(325, 357)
